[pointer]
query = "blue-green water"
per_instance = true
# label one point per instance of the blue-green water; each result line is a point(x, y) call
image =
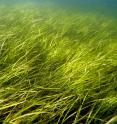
point(103, 7)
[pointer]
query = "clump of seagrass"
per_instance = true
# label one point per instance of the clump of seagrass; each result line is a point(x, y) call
point(56, 68)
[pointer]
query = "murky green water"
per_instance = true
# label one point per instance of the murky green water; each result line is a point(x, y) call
point(103, 7)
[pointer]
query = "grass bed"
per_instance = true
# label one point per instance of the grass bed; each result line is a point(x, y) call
point(57, 68)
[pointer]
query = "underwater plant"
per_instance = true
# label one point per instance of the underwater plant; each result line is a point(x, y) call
point(57, 68)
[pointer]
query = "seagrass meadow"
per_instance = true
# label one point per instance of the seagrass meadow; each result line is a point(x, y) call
point(57, 67)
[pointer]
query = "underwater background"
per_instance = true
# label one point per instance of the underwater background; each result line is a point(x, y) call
point(104, 7)
point(58, 61)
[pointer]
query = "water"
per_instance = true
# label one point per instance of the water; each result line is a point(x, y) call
point(103, 7)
